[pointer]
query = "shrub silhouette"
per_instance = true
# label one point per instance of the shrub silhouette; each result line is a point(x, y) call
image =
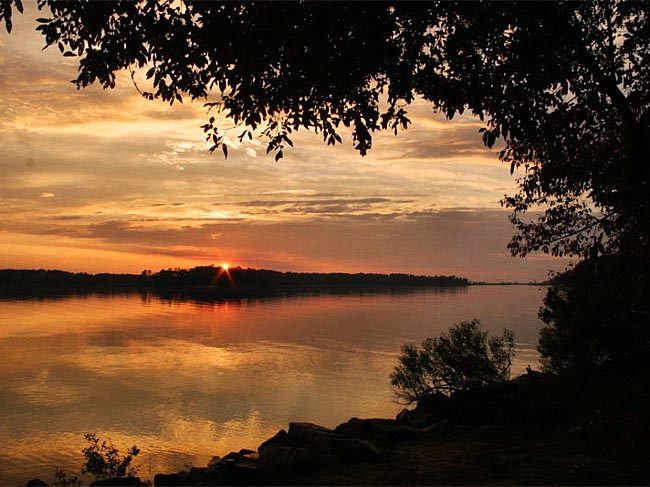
point(103, 460)
point(61, 479)
point(464, 358)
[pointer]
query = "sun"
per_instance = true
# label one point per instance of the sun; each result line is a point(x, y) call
point(223, 270)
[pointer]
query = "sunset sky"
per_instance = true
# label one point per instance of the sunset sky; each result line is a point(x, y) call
point(105, 181)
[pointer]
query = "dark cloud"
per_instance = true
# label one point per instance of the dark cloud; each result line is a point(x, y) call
point(332, 206)
point(167, 205)
point(328, 209)
point(68, 217)
point(272, 203)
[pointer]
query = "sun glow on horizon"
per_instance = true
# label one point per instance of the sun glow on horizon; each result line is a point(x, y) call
point(223, 271)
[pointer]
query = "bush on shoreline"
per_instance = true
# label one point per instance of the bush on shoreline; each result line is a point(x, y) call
point(464, 358)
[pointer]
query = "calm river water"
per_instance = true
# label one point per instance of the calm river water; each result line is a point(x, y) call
point(185, 381)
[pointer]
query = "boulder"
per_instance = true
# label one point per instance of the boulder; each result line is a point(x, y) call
point(317, 437)
point(239, 470)
point(233, 455)
point(365, 429)
point(400, 434)
point(119, 482)
point(429, 410)
point(214, 460)
point(354, 450)
point(415, 418)
point(307, 445)
point(169, 479)
point(36, 483)
point(284, 457)
point(196, 475)
point(280, 438)
point(435, 428)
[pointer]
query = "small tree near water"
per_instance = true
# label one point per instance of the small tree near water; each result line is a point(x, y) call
point(464, 358)
point(103, 460)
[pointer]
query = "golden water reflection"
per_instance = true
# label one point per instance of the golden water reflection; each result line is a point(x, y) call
point(186, 381)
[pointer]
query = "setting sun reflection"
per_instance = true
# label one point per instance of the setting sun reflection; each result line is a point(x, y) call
point(186, 380)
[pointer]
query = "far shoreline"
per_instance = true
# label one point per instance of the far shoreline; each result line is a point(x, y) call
point(210, 283)
point(213, 283)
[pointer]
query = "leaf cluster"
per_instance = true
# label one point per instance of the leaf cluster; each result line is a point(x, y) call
point(6, 11)
point(462, 359)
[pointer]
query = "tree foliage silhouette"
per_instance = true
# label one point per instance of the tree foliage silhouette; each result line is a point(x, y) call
point(562, 85)
point(104, 461)
point(598, 316)
point(563, 89)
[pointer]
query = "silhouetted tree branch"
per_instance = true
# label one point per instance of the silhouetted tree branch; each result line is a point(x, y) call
point(564, 85)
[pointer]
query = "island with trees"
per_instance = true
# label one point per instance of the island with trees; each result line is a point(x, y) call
point(212, 283)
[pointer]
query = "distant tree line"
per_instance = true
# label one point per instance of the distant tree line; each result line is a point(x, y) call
point(248, 278)
point(207, 279)
point(37, 282)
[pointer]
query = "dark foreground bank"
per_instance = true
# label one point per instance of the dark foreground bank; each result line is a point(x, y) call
point(535, 429)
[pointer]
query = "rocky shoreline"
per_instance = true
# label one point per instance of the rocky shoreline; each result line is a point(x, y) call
point(305, 447)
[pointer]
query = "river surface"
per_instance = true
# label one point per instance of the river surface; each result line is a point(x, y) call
point(185, 381)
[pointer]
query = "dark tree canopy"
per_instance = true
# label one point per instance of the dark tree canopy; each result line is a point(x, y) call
point(563, 85)
point(598, 316)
